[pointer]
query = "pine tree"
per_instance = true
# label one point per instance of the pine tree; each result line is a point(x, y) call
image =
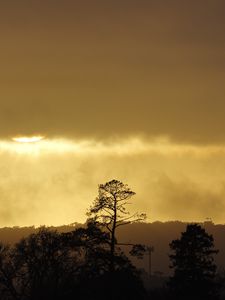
point(110, 211)
point(193, 264)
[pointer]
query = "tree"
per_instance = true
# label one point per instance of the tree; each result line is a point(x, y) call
point(90, 244)
point(8, 270)
point(71, 265)
point(94, 279)
point(110, 211)
point(193, 264)
point(37, 267)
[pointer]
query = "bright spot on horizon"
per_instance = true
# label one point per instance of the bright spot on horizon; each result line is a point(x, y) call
point(27, 139)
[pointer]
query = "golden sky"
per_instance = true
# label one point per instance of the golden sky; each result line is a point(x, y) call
point(132, 90)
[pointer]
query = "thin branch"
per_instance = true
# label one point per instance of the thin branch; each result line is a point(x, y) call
point(108, 212)
point(125, 244)
point(128, 218)
point(121, 224)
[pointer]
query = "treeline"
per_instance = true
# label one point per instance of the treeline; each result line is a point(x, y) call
point(75, 265)
point(88, 263)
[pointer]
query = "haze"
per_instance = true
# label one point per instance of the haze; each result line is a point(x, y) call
point(132, 90)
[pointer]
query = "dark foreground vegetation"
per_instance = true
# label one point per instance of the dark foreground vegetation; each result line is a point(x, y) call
point(88, 263)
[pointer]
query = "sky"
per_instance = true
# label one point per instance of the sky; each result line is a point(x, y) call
point(132, 90)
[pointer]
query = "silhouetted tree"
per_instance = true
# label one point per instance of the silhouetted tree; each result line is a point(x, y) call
point(83, 264)
point(95, 280)
point(193, 264)
point(110, 211)
point(91, 244)
point(38, 267)
point(8, 270)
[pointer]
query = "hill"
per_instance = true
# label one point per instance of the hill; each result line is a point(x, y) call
point(157, 234)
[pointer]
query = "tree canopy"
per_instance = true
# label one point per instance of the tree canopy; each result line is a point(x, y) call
point(109, 210)
point(192, 260)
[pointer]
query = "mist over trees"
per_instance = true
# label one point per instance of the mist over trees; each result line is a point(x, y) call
point(88, 262)
point(50, 265)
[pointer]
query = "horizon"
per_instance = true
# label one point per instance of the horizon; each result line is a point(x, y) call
point(77, 224)
point(112, 150)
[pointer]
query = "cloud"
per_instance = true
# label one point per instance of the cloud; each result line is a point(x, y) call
point(101, 69)
point(55, 181)
point(121, 89)
point(186, 198)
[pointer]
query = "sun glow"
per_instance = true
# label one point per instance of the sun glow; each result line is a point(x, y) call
point(36, 145)
point(26, 139)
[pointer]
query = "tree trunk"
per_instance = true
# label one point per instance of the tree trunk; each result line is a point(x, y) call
point(113, 238)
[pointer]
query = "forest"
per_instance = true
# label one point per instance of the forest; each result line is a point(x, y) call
point(94, 262)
